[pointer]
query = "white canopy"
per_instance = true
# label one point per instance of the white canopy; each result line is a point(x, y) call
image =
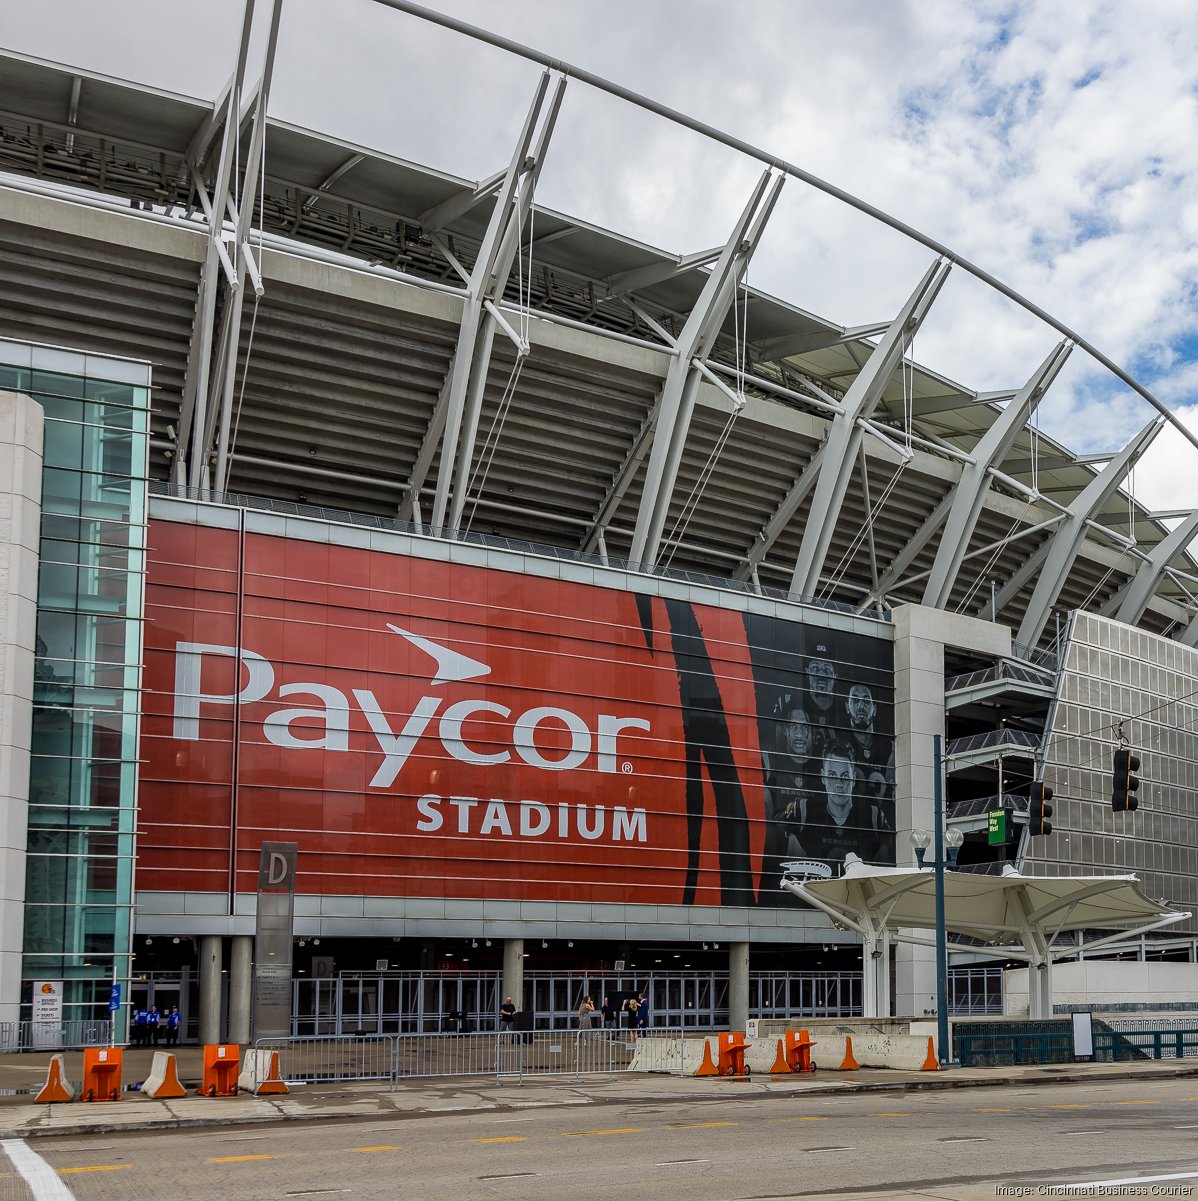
point(1010, 916)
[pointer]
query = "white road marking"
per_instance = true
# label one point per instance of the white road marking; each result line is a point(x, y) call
point(1071, 1133)
point(1192, 1126)
point(43, 1180)
point(1132, 1180)
point(677, 1163)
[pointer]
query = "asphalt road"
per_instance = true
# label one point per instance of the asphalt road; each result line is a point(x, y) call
point(963, 1143)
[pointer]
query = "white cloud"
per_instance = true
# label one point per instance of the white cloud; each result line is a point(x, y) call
point(1053, 144)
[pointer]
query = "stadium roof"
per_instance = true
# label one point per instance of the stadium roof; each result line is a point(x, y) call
point(444, 351)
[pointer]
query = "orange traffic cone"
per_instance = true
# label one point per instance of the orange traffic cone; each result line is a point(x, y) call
point(931, 1063)
point(56, 1087)
point(780, 1064)
point(273, 1082)
point(707, 1067)
point(848, 1063)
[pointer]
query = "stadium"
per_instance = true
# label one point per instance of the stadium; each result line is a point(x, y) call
point(541, 599)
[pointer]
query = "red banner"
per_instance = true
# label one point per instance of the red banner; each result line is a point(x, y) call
point(429, 729)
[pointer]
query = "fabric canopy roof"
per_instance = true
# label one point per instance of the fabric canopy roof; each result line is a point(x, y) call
point(991, 909)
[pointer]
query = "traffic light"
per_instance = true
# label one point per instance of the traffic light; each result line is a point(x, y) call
point(1039, 810)
point(1124, 782)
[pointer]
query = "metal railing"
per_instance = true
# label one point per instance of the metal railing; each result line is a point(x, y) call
point(509, 1054)
point(54, 1036)
point(1052, 1042)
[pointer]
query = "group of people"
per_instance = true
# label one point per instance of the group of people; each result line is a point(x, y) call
point(633, 1013)
point(151, 1028)
point(830, 775)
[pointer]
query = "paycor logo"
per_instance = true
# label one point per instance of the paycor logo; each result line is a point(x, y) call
point(326, 714)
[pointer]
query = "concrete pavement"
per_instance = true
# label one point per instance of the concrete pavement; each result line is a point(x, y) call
point(20, 1117)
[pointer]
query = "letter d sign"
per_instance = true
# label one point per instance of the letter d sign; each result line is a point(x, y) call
point(276, 867)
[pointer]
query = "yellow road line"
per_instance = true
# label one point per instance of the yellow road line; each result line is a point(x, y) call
point(1073, 1106)
point(805, 1118)
point(588, 1133)
point(699, 1125)
point(95, 1167)
point(891, 1115)
point(374, 1148)
point(507, 1138)
point(1135, 1102)
point(239, 1158)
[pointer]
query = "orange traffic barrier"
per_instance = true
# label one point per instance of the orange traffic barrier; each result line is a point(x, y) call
point(732, 1053)
point(163, 1080)
point(57, 1086)
point(221, 1065)
point(781, 1065)
point(707, 1067)
point(101, 1074)
point(798, 1051)
point(931, 1063)
point(849, 1062)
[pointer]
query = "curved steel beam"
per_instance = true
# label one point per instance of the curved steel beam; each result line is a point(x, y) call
point(796, 172)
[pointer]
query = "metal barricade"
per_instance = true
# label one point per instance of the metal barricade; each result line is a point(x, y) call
point(54, 1036)
point(507, 1055)
point(318, 1060)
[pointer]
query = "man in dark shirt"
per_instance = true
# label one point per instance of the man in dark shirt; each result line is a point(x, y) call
point(507, 1013)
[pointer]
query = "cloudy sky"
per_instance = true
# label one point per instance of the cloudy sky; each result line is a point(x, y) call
point(1052, 142)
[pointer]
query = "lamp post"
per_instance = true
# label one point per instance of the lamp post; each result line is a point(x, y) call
point(920, 840)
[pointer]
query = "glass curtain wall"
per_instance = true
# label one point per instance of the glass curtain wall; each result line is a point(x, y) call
point(83, 774)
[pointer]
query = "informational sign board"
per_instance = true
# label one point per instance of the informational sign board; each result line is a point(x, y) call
point(272, 940)
point(997, 827)
point(47, 1014)
point(1083, 1035)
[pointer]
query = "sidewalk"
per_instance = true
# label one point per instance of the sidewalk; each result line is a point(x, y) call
point(414, 1098)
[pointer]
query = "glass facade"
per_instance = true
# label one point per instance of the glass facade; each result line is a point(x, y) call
point(1114, 673)
point(83, 772)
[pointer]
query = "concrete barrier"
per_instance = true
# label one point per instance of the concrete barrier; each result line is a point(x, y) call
point(163, 1081)
point(872, 1048)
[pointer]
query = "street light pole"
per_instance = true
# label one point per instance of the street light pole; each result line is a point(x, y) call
point(941, 932)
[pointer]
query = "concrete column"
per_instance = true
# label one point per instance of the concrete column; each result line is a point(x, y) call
point(738, 985)
point(241, 986)
point(513, 970)
point(920, 636)
point(210, 969)
point(20, 518)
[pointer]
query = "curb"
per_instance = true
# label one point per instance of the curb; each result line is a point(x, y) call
point(830, 1086)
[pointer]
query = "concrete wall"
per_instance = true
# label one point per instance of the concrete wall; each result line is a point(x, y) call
point(920, 636)
point(1102, 983)
point(20, 518)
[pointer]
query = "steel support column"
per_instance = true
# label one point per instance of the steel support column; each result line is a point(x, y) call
point(845, 432)
point(682, 379)
point(1130, 604)
point(969, 495)
point(487, 274)
point(190, 464)
point(1067, 539)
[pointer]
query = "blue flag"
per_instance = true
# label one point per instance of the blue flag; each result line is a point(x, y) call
point(114, 1000)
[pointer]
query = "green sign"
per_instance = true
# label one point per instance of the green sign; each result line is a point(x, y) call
point(998, 827)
